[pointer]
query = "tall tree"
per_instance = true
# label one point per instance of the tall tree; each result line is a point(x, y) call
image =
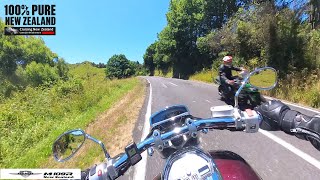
point(217, 12)
point(314, 15)
point(148, 58)
point(184, 19)
point(22, 50)
point(165, 49)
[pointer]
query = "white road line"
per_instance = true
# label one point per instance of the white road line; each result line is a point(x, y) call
point(208, 101)
point(173, 84)
point(286, 102)
point(164, 85)
point(291, 148)
point(140, 168)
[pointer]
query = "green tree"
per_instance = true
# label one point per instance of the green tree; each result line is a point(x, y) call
point(165, 49)
point(182, 43)
point(36, 50)
point(21, 50)
point(314, 13)
point(101, 65)
point(184, 20)
point(11, 51)
point(218, 12)
point(148, 58)
point(119, 67)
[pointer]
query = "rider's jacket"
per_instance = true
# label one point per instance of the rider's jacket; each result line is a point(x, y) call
point(225, 72)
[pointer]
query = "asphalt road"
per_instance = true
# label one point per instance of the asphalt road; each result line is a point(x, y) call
point(271, 157)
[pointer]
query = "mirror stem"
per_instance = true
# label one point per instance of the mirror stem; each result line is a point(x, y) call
point(101, 144)
point(236, 104)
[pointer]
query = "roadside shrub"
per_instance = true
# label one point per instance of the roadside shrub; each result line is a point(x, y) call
point(313, 96)
point(38, 73)
point(72, 86)
point(141, 72)
point(62, 69)
point(6, 88)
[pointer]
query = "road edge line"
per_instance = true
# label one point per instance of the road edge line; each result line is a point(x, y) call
point(140, 168)
point(291, 148)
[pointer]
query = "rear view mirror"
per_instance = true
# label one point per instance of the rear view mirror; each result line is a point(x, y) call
point(264, 79)
point(68, 144)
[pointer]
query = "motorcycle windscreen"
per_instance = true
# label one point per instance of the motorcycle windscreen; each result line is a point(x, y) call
point(163, 117)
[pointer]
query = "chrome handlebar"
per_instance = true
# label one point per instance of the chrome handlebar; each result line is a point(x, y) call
point(240, 121)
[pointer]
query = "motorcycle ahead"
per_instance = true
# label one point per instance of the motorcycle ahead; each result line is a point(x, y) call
point(186, 161)
point(249, 97)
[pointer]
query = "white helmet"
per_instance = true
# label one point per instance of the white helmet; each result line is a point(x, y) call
point(227, 59)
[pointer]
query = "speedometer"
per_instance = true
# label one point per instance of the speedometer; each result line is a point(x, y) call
point(190, 163)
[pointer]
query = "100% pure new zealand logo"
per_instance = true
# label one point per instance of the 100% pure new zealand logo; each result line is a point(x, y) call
point(33, 20)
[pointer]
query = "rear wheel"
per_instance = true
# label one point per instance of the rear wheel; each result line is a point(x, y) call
point(221, 94)
point(220, 91)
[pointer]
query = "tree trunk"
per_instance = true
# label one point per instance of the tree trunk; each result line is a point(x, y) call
point(314, 16)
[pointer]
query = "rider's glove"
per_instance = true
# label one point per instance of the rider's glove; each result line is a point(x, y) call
point(277, 115)
point(304, 127)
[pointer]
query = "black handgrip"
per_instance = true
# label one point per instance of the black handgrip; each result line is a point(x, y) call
point(272, 112)
point(276, 115)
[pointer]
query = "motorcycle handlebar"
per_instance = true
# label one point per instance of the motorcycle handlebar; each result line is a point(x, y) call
point(117, 167)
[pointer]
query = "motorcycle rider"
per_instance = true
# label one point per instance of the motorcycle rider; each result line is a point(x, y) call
point(225, 74)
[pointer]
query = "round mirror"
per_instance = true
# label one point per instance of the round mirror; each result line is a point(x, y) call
point(68, 144)
point(264, 78)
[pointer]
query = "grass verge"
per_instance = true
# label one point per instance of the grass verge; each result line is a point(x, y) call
point(114, 127)
point(31, 120)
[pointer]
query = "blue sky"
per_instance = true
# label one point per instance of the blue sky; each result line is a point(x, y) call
point(94, 30)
